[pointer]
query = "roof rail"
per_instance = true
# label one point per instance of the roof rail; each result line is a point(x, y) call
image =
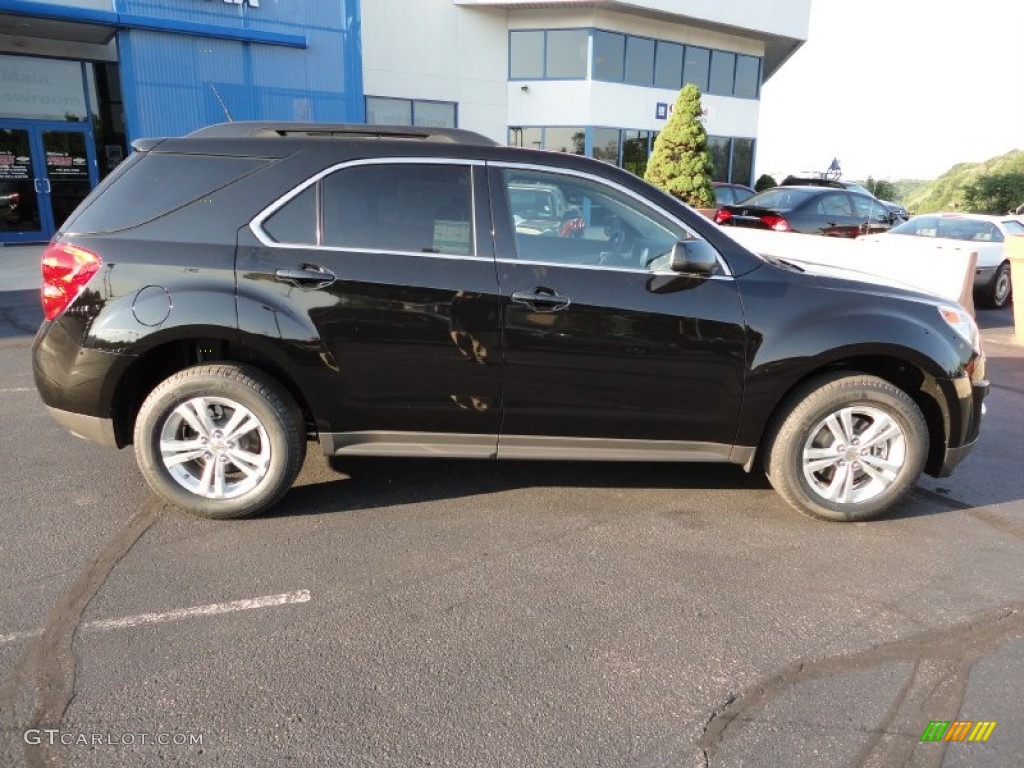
point(259, 129)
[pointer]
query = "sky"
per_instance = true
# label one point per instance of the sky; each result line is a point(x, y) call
point(897, 89)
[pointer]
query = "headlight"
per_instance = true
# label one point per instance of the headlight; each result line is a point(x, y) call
point(961, 322)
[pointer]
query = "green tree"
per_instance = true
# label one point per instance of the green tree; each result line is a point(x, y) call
point(995, 193)
point(764, 181)
point(681, 163)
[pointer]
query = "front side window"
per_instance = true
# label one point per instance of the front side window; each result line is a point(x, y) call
point(406, 207)
point(575, 221)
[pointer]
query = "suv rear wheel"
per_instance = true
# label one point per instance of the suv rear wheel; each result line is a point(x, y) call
point(847, 447)
point(220, 441)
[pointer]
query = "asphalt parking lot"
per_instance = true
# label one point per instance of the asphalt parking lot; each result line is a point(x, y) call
point(451, 613)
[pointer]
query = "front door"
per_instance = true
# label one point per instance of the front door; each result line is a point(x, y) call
point(608, 353)
point(46, 170)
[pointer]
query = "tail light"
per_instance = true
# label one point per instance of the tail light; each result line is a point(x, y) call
point(773, 221)
point(722, 216)
point(66, 270)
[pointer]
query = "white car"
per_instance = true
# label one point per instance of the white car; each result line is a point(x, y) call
point(987, 235)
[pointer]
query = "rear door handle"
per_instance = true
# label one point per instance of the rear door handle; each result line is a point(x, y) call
point(541, 300)
point(306, 276)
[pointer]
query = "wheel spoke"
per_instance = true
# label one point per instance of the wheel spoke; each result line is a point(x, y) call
point(816, 465)
point(236, 431)
point(195, 413)
point(218, 479)
point(252, 464)
point(175, 452)
point(842, 482)
point(883, 430)
point(836, 428)
point(203, 489)
point(881, 465)
point(883, 477)
point(846, 419)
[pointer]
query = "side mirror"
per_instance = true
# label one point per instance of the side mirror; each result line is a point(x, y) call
point(694, 257)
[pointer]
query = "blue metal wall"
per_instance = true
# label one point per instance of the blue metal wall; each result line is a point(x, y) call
point(176, 82)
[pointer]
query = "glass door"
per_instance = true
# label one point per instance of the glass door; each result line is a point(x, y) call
point(19, 201)
point(46, 170)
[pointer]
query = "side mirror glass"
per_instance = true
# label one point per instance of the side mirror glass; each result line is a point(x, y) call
point(694, 257)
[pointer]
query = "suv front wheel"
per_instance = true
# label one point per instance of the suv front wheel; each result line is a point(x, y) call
point(847, 447)
point(221, 441)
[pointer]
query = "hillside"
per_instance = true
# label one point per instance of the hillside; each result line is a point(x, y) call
point(947, 193)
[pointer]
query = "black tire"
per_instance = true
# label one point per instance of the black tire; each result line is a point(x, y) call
point(821, 475)
point(229, 475)
point(1000, 292)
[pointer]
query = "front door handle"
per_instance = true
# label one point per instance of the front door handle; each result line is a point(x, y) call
point(541, 300)
point(306, 276)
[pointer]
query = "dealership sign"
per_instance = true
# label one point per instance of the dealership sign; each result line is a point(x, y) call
point(664, 110)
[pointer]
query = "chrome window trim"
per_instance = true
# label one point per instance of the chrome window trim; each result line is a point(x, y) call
point(726, 272)
point(256, 224)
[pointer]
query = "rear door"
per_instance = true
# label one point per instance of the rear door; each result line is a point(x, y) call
point(607, 353)
point(390, 263)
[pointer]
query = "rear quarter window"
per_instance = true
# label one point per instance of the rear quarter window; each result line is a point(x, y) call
point(155, 185)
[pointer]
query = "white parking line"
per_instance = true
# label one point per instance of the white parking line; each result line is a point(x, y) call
point(268, 601)
point(18, 389)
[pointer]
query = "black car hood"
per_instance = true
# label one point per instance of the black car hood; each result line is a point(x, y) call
point(841, 278)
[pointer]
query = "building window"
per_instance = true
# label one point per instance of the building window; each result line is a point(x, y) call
point(723, 73)
point(748, 77)
point(429, 114)
point(639, 61)
point(697, 66)
point(742, 161)
point(636, 149)
point(733, 159)
point(526, 55)
point(554, 54)
point(566, 54)
point(606, 145)
point(569, 140)
point(609, 56)
point(668, 66)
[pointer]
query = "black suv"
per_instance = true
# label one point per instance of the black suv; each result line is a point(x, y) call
point(223, 298)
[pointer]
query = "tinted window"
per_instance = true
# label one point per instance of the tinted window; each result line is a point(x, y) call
point(748, 76)
point(609, 55)
point(295, 222)
point(868, 208)
point(526, 55)
point(639, 61)
point(183, 178)
point(410, 208)
point(382, 111)
point(742, 161)
point(434, 114)
point(723, 70)
point(920, 226)
point(697, 66)
point(835, 205)
point(569, 140)
point(567, 53)
point(668, 66)
point(606, 144)
point(569, 220)
point(1013, 227)
point(780, 198)
point(720, 157)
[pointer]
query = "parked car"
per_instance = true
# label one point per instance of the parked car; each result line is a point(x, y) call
point(895, 208)
point(299, 282)
point(543, 210)
point(809, 210)
point(986, 234)
point(727, 193)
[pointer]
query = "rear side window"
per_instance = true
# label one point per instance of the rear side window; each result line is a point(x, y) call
point(295, 222)
point(158, 184)
point(399, 207)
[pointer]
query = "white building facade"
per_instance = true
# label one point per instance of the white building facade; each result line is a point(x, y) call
point(594, 77)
